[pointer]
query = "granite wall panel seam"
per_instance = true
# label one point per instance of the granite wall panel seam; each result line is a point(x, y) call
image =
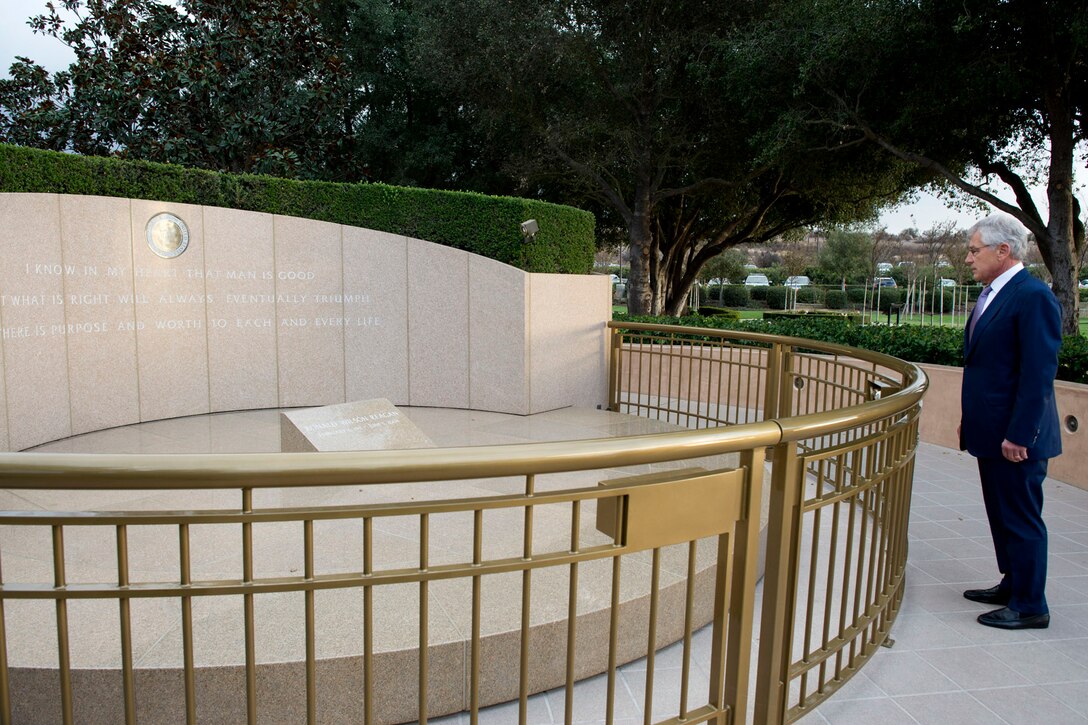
point(64, 312)
point(466, 300)
point(276, 308)
point(343, 315)
point(207, 326)
point(408, 314)
point(135, 317)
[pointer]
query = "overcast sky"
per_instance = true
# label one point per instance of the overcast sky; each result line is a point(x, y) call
point(17, 39)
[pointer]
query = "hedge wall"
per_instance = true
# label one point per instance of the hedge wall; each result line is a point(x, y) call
point(485, 225)
point(934, 345)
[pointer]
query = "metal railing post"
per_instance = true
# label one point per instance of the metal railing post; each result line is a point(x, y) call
point(615, 368)
point(730, 661)
point(779, 587)
point(785, 382)
point(771, 390)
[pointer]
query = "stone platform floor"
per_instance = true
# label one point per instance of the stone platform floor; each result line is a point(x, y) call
point(943, 667)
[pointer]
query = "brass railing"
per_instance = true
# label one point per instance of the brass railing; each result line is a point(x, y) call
point(841, 485)
point(841, 464)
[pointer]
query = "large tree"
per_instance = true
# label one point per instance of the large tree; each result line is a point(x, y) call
point(309, 88)
point(978, 94)
point(239, 85)
point(648, 110)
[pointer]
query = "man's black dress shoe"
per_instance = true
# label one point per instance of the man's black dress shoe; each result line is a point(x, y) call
point(993, 595)
point(1006, 618)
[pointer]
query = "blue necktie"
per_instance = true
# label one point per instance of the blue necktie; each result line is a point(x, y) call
point(978, 311)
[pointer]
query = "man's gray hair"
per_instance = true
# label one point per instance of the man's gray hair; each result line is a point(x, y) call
point(1002, 229)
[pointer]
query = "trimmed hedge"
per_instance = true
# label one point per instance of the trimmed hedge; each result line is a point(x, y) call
point(932, 301)
point(835, 299)
point(808, 295)
point(776, 298)
point(484, 225)
point(889, 297)
point(933, 345)
point(735, 295)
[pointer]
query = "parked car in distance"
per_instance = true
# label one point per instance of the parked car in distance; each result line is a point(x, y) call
point(884, 282)
point(1083, 284)
point(756, 280)
point(883, 267)
point(797, 281)
point(946, 282)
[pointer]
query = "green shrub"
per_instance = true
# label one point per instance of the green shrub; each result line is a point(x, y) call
point(835, 299)
point(735, 295)
point(855, 294)
point(889, 297)
point(933, 301)
point(776, 297)
point(1073, 359)
point(759, 294)
point(485, 225)
point(808, 295)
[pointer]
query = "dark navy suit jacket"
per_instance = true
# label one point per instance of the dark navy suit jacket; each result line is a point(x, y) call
point(1008, 372)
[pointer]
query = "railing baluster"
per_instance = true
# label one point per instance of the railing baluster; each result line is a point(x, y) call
point(689, 605)
point(477, 560)
point(651, 636)
point(311, 638)
point(424, 615)
point(572, 611)
point(613, 623)
point(368, 621)
point(127, 681)
point(189, 673)
point(247, 599)
point(64, 662)
point(526, 604)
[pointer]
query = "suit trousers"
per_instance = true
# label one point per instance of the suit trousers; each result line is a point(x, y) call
point(1013, 493)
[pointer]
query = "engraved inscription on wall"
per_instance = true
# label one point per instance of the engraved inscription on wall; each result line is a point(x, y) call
point(236, 311)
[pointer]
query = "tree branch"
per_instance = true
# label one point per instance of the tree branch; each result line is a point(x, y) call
point(1029, 220)
point(607, 189)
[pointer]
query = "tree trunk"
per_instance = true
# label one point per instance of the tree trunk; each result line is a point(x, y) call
point(1058, 248)
point(640, 295)
point(676, 299)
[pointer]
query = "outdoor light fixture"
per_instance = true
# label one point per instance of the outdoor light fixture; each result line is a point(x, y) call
point(529, 228)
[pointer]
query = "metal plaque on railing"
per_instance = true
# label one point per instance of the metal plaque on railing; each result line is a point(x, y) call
point(671, 507)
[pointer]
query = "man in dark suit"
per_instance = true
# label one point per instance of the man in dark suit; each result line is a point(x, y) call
point(1010, 421)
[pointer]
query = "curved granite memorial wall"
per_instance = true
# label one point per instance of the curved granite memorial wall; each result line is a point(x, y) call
point(117, 311)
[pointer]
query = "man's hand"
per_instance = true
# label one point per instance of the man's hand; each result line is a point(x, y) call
point(1013, 452)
